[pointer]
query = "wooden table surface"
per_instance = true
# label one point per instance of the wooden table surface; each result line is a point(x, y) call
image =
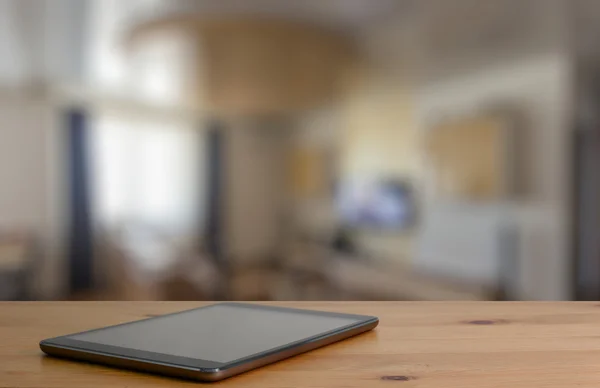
point(468, 344)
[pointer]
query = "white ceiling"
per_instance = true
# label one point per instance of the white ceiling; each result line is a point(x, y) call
point(586, 28)
point(446, 27)
point(40, 39)
point(343, 14)
point(483, 32)
point(439, 32)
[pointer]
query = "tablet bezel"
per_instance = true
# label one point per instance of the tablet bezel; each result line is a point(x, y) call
point(194, 364)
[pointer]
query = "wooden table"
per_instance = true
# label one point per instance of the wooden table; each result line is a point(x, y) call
point(467, 344)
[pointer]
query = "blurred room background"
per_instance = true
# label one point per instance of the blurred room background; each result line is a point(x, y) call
point(299, 150)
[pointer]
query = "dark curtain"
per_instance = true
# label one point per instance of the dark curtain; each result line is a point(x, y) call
point(214, 215)
point(80, 225)
point(586, 213)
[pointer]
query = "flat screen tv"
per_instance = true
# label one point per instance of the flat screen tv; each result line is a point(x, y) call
point(376, 204)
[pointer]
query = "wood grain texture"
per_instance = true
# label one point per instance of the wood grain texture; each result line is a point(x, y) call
point(467, 344)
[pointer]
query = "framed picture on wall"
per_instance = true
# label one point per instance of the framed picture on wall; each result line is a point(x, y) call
point(311, 172)
point(472, 158)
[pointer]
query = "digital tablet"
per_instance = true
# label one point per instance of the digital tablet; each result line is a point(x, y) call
point(210, 343)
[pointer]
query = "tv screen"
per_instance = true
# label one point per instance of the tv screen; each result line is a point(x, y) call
point(381, 204)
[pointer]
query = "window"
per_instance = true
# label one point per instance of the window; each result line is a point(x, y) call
point(148, 171)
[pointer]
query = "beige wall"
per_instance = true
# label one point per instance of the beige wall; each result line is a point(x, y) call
point(373, 132)
point(31, 189)
point(253, 189)
point(541, 87)
point(380, 138)
point(22, 164)
point(380, 135)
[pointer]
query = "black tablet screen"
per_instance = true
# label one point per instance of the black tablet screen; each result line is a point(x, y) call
point(221, 333)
